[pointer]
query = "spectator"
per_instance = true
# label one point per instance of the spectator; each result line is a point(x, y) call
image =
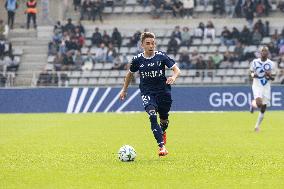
point(58, 28)
point(178, 8)
point(273, 50)
point(2, 47)
point(145, 3)
point(72, 45)
point(134, 39)
point(81, 28)
point(116, 38)
point(248, 8)
point(185, 37)
point(256, 37)
point(245, 36)
point(79, 37)
point(52, 48)
point(227, 60)
point(200, 64)
point(69, 27)
point(100, 53)
point(4, 30)
point(188, 6)
point(78, 60)
point(218, 6)
point(229, 7)
point(238, 8)
point(262, 7)
point(68, 63)
point(266, 29)
point(11, 6)
point(76, 4)
point(111, 53)
point(86, 9)
point(195, 58)
point(58, 61)
point(89, 62)
point(98, 7)
point(260, 26)
point(12, 63)
point(177, 34)
point(239, 52)
point(97, 37)
point(226, 37)
point(158, 8)
point(199, 31)
point(235, 34)
point(106, 38)
point(31, 12)
point(217, 58)
point(172, 46)
point(120, 63)
point(184, 60)
point(281, 6)
point(209, 31)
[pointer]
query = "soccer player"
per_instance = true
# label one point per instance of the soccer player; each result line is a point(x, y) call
point(263, 71)
point(155, 88)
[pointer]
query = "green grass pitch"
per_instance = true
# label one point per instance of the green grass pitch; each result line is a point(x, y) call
point(206, 150)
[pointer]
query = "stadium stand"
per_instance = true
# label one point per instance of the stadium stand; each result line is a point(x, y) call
point(208, 48)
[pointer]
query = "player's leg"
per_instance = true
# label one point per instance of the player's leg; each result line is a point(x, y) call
point(262, 104)
point(156, 129)
point(257, 101)
point(149, 102)
point(164, 105)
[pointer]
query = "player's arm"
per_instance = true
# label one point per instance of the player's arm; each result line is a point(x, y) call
point(270, 75)
point(172, 79)
point(253, 74)
point(127, 80)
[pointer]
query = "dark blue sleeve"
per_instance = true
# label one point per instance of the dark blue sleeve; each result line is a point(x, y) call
point(134, 65)
point(168, 61)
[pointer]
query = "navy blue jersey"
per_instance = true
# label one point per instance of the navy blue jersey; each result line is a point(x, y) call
point(152, 72)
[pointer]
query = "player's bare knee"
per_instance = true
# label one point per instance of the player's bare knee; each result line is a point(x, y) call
point(259, 102)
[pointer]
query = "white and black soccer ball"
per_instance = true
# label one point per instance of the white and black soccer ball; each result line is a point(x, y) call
point(126, 153)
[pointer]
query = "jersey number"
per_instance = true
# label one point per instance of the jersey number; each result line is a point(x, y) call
point(145, 99)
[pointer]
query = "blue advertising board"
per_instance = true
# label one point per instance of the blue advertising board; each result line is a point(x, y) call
point(82, 100)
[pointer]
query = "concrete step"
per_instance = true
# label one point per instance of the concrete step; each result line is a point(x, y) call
point(31, 67)
point(19, 33)
point(34, 49)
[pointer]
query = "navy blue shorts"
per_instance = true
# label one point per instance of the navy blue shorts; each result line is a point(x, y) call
point(162, 102)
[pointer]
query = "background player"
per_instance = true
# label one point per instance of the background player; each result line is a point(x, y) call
point(154, 86)
point(263, 71)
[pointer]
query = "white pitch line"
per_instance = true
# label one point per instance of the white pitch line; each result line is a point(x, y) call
point(72, 100)
point(102, 99)
point(81, 100)
point(94, 93)
point(112, 102)
point(128, 101)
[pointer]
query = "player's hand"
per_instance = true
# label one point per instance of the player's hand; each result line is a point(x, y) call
point(171, 80)
point(254, 75)
point(122, 95)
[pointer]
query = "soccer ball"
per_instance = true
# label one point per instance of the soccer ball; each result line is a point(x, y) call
point(126, 153)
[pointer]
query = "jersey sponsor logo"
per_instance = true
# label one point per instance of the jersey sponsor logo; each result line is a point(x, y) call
point(151, 74)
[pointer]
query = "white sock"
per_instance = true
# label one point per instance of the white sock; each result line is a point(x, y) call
point(259, 119)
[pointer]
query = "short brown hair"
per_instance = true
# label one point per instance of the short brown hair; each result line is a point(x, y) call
point(145, 35)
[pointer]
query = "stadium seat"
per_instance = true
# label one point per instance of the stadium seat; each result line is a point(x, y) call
point(83, 81)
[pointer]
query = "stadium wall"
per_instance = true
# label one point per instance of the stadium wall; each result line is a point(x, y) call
point(82, 100)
